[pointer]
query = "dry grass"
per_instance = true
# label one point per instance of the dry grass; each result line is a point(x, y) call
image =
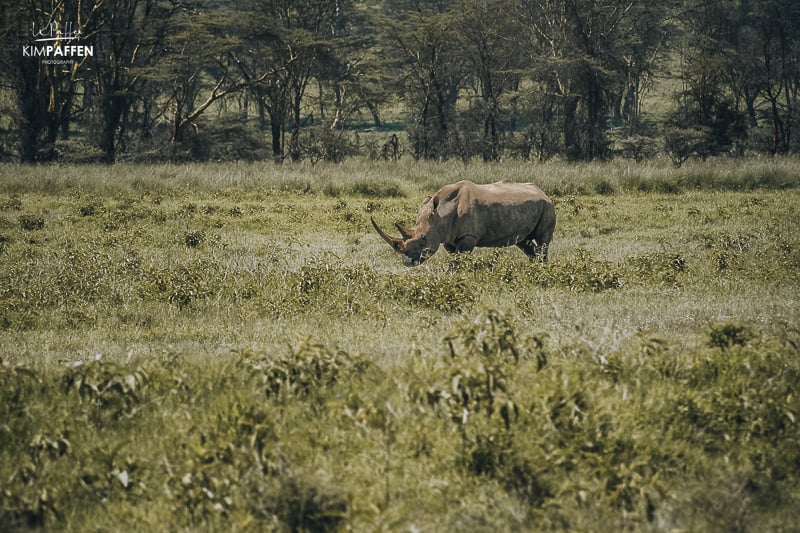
point(266, 361)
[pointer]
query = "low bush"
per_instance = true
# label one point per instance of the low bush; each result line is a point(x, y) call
point(260, 439)
point(421, 289)
point(30, 222)
point(643, 379)
point(376, 189)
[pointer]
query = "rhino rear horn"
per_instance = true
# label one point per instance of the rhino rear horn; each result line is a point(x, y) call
point(405, 232)
point(394, 242)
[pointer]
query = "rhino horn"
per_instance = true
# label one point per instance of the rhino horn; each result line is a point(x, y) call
point(405, 232)
point(394, 242)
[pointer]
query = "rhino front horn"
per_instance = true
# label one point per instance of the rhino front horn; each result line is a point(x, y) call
point(394, 242)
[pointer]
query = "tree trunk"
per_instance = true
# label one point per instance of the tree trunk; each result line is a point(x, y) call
point(276, 128)
point(113, 110)
point(376, 118)
point(294, 139)
point(572, 146)
point(30, 107)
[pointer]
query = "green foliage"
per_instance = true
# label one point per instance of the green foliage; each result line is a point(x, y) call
point(193, 239)
point(183, 285)
point(645, 378)
point(539, 430)
point(234, 445)
point(20, 387)
point(372, 189)
point(30, 222)
point(659, 268)
point(267, 81)
point(423, 290)
point(729, 334)
point(368, 188)
point(115, 391)
point(310, 368)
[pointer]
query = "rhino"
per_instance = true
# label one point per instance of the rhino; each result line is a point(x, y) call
point(465, 215)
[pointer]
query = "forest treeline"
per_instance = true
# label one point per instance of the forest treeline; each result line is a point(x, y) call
point(435, 79)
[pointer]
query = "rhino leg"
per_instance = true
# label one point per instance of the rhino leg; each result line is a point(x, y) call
point(529, 247)
point(462, 245)
point(535, 245)
point(533, 249)
point(465, 244)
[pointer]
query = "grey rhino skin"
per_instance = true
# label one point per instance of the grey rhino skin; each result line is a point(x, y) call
point(464, 215)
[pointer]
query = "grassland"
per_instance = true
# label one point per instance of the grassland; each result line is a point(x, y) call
point(231, 347)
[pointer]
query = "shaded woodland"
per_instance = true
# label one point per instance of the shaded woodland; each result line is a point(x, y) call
point(580, 80)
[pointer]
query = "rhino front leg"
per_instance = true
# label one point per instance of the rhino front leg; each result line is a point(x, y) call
point(462, 244)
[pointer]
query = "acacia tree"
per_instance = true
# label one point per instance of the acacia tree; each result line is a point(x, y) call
point(586, 54)
point(776, 26)
point(286, 40)
point(350, 79)
point(491, 51)
point(349, 66)
point(265, 50)
point(45, 90)
point(637, 56)
point(430, 71)
point(197, 69)
point(304, 33)
point(130, 37)
point(557, 63)
point(707, 108)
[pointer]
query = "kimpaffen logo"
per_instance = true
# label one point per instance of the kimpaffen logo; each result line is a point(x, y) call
point(57, 43)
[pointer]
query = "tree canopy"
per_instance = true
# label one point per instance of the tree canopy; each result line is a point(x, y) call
point(435, 79)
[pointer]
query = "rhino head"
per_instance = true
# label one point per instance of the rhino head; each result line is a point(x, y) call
point(417, 244)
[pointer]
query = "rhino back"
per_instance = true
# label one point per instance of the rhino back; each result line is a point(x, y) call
point(499, 214)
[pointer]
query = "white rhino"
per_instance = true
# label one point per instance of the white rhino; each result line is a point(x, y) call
point(464, 215)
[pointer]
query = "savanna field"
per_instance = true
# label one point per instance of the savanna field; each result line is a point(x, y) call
point(231, 347)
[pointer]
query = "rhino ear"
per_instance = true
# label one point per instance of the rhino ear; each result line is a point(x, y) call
point(435, 203)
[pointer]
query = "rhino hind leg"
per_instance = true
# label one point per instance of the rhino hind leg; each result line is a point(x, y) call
point(533, 249)
point(536, 244)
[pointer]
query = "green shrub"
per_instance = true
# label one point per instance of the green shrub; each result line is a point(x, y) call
point(603, 187)
point(309, 368)
point(302, 504)
point(183, 285)
point(20, 388)
point(582, 273)
point(10, 203)
point(729, 334)
point(31, 222)
point(377, 189)
point(193, 239)
point(658, 269)
point(115, 390)
point(421, 289)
